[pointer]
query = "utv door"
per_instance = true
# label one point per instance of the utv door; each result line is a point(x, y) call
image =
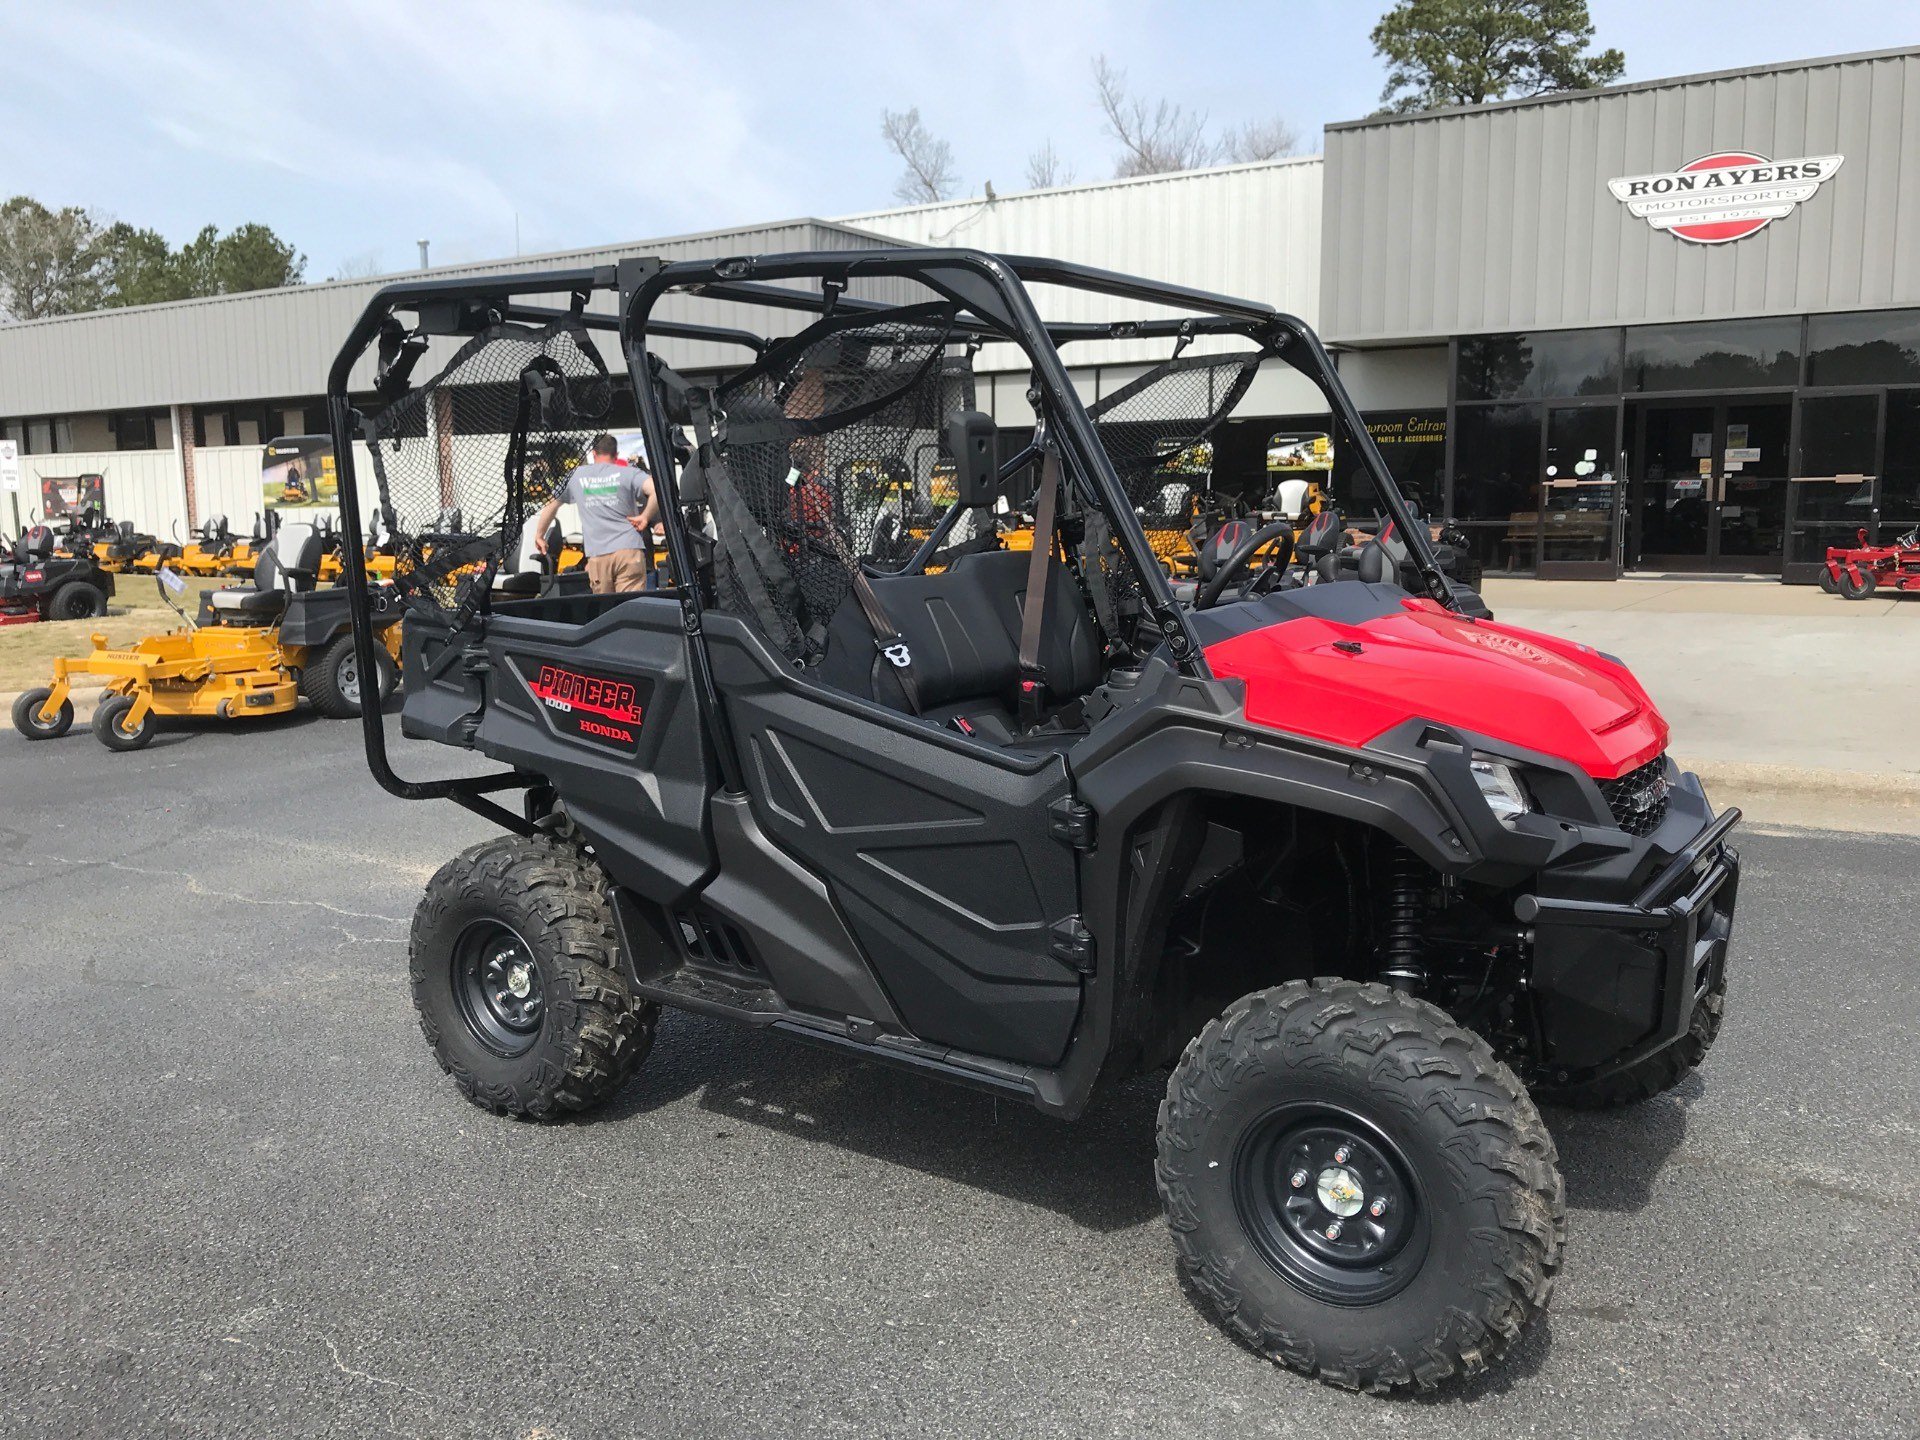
point(592, 694)
point(938, 852)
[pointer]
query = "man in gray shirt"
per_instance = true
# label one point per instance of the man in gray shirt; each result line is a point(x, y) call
point(617, 509)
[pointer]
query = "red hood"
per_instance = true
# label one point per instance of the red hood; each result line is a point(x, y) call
point(1421, 661)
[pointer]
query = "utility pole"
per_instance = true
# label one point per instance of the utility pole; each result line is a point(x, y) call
point(423, 253)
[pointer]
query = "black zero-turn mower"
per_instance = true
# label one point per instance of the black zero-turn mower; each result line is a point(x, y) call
point(1367, 873)
point(37, 582)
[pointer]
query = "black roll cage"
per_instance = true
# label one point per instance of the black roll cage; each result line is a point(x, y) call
point(990, 291)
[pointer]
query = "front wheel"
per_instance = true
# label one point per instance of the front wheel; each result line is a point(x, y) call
point(1656, 1074)
point(1357, 1187)
point(110, 725)
point(26, 715)
point(514, 975)
point(1860, 588)
point(1827, 582)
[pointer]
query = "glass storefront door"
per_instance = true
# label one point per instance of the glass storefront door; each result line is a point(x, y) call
point(1580, 494)
point(1709, 484)
point(1831, 497)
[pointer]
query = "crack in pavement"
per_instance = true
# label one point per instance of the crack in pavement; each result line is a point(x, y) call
point(196, 886)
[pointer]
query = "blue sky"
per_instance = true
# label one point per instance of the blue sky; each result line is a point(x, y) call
point(354, 127)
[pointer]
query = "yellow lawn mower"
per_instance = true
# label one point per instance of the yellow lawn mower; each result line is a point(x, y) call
point(254, 651)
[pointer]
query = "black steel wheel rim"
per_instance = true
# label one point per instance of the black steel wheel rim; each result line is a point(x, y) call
point(498, 987)
point(1332, 1202)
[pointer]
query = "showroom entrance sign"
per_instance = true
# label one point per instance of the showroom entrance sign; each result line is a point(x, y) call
point(1724, 196)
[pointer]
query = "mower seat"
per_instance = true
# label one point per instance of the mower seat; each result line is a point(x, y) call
point(274, 578)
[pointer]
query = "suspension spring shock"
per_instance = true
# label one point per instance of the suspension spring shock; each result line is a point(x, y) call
point(1407, 881)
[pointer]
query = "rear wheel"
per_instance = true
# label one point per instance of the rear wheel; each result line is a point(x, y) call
point(77, 600)
point(332, 682)
point(1357, 1187)
point(111, 729)
point(26, 715)
point(514, 976)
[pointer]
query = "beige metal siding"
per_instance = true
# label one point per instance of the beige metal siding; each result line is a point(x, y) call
point(1251, 231)
point(1499, 218)
point(280, 343)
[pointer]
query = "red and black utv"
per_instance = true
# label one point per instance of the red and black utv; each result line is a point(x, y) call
point(1366, 874)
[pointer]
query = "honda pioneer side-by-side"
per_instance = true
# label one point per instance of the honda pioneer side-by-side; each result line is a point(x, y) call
point(1365, 871)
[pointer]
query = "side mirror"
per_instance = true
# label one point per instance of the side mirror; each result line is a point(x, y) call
point(970, 441)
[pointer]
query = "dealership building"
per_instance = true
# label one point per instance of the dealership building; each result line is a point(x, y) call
point(1670, 326)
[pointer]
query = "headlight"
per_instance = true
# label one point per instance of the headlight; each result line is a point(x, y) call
point(1500, 787)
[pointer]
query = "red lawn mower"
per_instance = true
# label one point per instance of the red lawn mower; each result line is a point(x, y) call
point(1856, 573)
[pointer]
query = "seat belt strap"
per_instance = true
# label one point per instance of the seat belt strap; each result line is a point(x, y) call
point(891, 644)
point(1033, 676)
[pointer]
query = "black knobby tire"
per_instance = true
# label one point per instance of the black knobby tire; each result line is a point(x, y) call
point(332, 682)
point(1442, 1128)
point(109, 730)
point(76, 600)
point(26, 715)
point(1656, 1074)
point(1860, 589)
point(539, 903)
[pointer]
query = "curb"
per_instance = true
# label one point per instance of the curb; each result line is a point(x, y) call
point(1874, 787)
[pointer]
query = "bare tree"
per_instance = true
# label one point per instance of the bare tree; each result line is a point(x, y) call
point(1045, 169)
point(1154, 138)
point(52, 262)
point(929, 175)
point(1261, 140)
point(362, 266)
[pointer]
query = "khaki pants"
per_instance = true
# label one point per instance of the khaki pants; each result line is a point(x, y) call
point(618, 572)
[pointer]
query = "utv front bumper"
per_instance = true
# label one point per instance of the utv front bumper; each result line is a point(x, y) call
point(1613, 983)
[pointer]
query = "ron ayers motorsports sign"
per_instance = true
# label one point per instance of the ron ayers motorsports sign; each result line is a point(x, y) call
point(1725, 196)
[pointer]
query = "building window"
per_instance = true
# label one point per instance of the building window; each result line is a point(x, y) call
point(1496, 462)
point(132, 432)
point(1879, 348)
point(1837, 433)
point(1545, 365)
point(1900, 482)
point(1414, 445)
point(1724, 355)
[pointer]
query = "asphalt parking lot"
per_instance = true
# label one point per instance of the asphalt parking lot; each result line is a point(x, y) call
point(241, 1199)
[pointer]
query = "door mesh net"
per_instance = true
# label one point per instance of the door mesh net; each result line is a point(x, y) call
point(465, 459)
point(834, 445)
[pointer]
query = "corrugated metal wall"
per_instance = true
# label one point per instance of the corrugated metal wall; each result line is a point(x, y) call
point(143, 486)
point(1499, 218)
point(279, 343)
point(1251, 231)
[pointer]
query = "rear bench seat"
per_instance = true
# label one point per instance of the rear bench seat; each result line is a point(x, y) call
point(963, 627)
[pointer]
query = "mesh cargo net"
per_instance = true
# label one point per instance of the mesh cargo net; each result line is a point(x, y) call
point(464, 460)
point(1155, 430)
point(833, 443)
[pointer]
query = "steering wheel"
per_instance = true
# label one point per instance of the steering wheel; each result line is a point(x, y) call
point(1232, 568)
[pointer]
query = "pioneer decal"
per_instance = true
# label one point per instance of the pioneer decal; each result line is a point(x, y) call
point(1728, 195)
point(603, 709)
